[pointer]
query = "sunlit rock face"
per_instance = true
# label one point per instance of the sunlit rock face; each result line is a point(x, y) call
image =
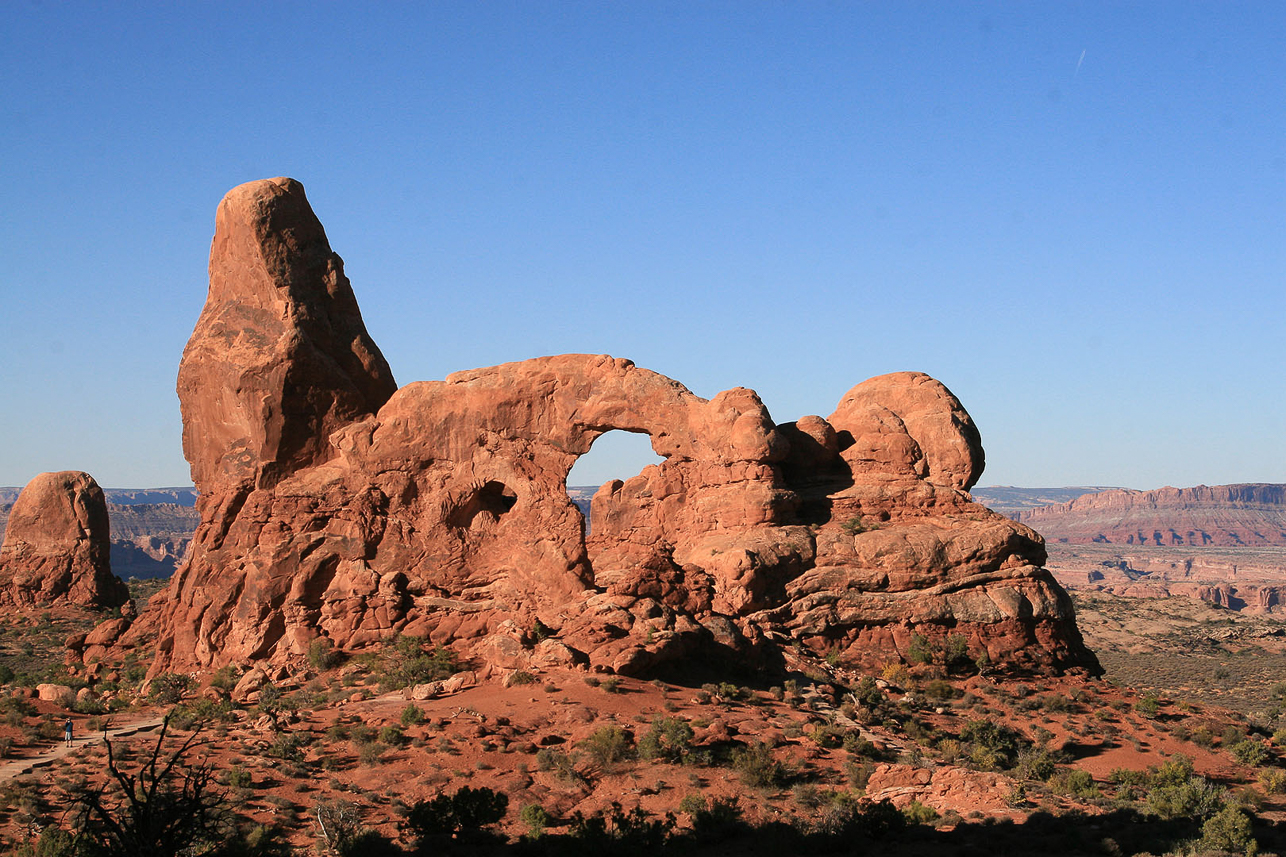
point(57, 545)
point(335, 505)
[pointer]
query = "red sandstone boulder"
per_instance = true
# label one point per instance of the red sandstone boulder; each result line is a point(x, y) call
point(57, 544)
point(334, 507)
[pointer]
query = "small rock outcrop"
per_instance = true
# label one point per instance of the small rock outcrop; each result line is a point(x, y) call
point(57, 545)
point(1244, 515)
point(334, 505)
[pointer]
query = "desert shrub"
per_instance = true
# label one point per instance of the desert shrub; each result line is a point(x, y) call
point(611, 685)
point(371, 753)
point(920, 650)
point(340, 831)
point(607, 746)
point(1056, 702)
point(940, 690)
point(225, 678)
point(620, 832)
point(198, 711)
point(1195, 798)
point(758, 768)
point(668, 739)
point(52, 842)
point(1149, 706)
point(990, 745)
point(14, 710)
point(240, 778)
point(730, 692)
point(955, 653)
point(323, 656)
point(1250, 752)
point(168, 688)
point(1036, 763)
point(858, 774)
point(1229, 831)
point(410, 661)
point(713, 822)
point(1076, 783)
point(392, 735)
point(856, 745)
point(918, 813)
point(534, 816)
point(519, 677)
point(164, 807)
point(560, 764)
point(1273, 781)
point(856, 525)
point(412, 715)
point(469, 809)
point(828, 736)
point(288, 746)
point(1130, 785)
point(361, 733)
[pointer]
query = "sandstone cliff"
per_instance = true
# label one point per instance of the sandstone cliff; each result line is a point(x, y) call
point(1248, 515)
point(333, 505)
point(56, 545)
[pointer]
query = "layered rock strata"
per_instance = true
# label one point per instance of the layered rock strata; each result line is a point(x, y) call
point(335, 505)
point(1246, 515)
point(57, 545)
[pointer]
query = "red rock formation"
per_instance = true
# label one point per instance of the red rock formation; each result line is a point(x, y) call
point(57, 544)
point(1249, 515)
point(332, 506)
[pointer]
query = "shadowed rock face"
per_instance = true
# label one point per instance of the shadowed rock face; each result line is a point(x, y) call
point(332, 505)
point(57, 545)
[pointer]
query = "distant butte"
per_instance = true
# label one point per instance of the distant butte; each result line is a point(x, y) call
point(336, 505)
point(57, 545)
point(1247, 515)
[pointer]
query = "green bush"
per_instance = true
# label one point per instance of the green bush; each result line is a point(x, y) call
point(168, 688)
point(668, 739)
point(1194, 799)
point(918, 813)
point(607, 746)
point(1077, 783)
point(920, 650)
point(410, 661)
point(1273, 781)
point(561, 764)
point(1149, 706)
point(990, 745)
point(534, 816)
point(392, 735)
point(412, 715)
point(323, 656)
point(955, 652)
point(467, 809)
point(1229, 830)
point(758, 768)
point(1250, 752)
point(1036, 763)
point(240, 778)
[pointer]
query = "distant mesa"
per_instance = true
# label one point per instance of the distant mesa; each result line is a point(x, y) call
point(334, 504)
point(1242, 515)
point(57, 544)
point(149, 538)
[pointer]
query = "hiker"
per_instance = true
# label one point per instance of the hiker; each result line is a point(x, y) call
point(67, 732)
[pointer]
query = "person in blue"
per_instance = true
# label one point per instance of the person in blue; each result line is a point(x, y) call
point(67, 732)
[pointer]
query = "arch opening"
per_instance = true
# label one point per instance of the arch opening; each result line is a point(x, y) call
point(616, 454)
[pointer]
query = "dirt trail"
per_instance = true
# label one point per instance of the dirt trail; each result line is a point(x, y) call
point(43, 759)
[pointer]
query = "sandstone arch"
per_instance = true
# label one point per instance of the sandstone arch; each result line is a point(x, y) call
point(333, 504)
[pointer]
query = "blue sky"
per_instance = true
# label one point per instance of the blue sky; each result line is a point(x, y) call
point(1072, 214)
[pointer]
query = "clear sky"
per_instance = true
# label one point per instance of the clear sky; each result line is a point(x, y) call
point(1072, 214)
